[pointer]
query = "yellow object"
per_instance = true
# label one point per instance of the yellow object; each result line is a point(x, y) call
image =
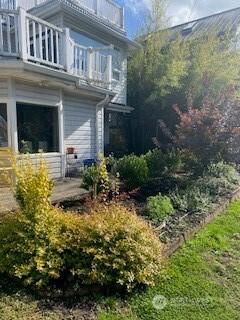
point(6, 169)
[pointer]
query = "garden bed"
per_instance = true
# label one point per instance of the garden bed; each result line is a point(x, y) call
point(174, 231)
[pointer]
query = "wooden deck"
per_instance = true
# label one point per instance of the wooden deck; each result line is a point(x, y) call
point(64, 190)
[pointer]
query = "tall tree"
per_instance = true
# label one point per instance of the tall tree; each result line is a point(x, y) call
point(169, 70)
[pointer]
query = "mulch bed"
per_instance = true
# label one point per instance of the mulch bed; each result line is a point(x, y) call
point(178, 228)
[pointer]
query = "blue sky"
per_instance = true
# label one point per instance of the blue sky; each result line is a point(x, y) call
point(178, 11)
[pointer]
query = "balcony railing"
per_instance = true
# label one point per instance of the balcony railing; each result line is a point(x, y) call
point(35, 40)
point(105, 9)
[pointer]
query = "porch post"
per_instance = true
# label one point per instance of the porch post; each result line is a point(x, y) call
point(12, 116)
point(61, 132)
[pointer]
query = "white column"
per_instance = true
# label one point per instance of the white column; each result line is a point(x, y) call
point(68, 51)
point(61, 132)
point(109, 71)
point(12, 116)
point(22, 34)
point(90, 54)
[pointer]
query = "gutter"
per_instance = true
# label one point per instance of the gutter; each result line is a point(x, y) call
point(102, 103)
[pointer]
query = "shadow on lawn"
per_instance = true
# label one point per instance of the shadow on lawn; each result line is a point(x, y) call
point(64, 302)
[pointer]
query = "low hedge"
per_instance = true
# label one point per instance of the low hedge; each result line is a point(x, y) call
point(111, 246)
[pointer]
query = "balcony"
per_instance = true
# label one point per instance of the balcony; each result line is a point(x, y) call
point(107, 10)
point(34, 40)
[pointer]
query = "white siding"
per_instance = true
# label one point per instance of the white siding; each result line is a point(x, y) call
point(53, 162)
point(33, 94)
point(80, 126)
point(3, 89)
point(120, 87)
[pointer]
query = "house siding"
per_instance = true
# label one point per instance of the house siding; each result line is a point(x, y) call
point(120, 87)
point(34, 94)
point(3, 89)
point(80, 126)
point(53, 162)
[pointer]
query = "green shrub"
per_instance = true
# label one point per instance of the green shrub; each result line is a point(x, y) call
point(32, 241)
point(159, 207)
point(219, 179)
point(191, 200)
point(111, 246)
point(33, 187)
point(162, 163)
point(96, 178)
point(133, 170)
point(117, 248)
point(215, 186)
point(224, 170)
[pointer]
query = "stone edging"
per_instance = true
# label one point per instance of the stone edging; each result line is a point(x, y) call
point(171, 248)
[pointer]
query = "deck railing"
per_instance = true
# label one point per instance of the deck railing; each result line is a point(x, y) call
point(35, 40)
point(9, 33)
point(106, 9)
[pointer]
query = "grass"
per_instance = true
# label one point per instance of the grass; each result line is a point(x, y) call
point(202, 282)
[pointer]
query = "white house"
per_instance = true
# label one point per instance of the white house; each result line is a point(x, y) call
point(63, 66)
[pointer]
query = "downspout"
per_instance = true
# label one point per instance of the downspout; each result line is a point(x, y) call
point(102, 103)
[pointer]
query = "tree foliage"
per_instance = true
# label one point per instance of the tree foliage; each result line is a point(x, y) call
point(170, 69)
point(211, 133)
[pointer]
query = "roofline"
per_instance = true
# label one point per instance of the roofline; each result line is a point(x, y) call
point(48, 6)
point(203, 18)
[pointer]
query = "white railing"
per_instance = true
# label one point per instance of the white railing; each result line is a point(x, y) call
point(44, 42)
point(112, 12)
point(8, 4)
point(106, 9)
point(9, 33)
point(35, 40)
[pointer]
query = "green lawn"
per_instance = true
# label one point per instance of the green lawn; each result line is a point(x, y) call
point(202, 281)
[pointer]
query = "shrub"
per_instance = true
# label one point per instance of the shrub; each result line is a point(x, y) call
point(96, 178)
point(41, 244)
point(33, 187)
point(191, 200)
point(160, 163)
point(159, 207)
point(215, 186)
point(224, 170)
point(219, 179)
point(32, 241)
point(133, 170)
point(117, 248)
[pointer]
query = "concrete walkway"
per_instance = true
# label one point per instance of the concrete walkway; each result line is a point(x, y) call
point(63, 190)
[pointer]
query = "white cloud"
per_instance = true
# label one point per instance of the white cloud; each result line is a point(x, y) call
point(138, 6)
point(179, 11)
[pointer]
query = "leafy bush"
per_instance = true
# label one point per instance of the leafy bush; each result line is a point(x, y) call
point(96, 178)
point(160, 163)
point(219, 179)
point(191, 200)
point(215, 186)
point(117, 248)
point(41, 244)
point(159, 207)
point(32, 241)
point(33, 188)
point(133, 170)
point(224, 170)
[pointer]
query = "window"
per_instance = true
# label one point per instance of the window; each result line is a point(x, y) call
point(37, 128)
point(3, 126)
